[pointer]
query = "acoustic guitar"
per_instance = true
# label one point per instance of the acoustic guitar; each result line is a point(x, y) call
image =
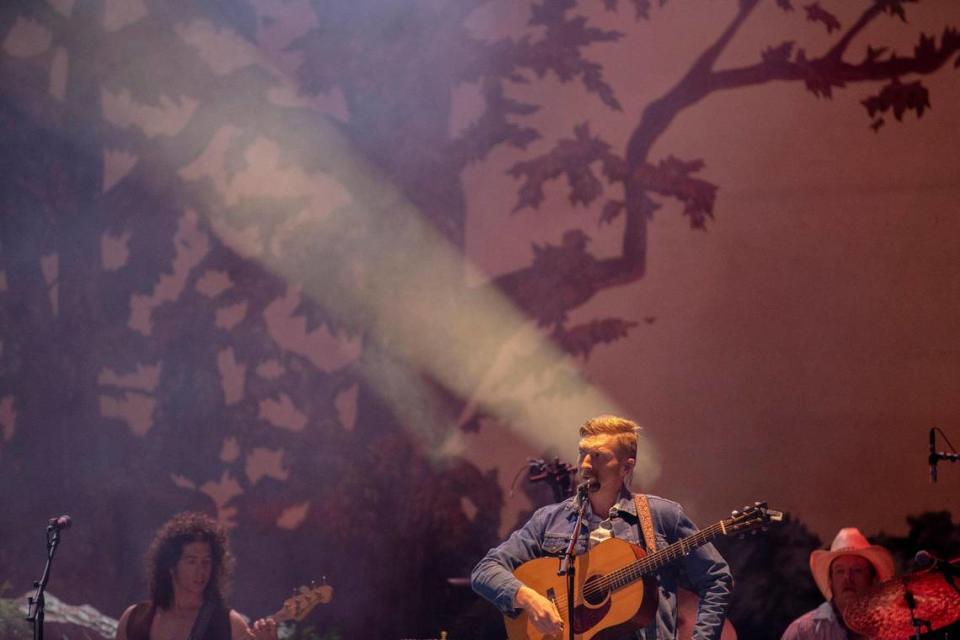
point(615, 586)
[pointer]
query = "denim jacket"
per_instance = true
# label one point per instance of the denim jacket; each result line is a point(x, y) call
point(548, 532)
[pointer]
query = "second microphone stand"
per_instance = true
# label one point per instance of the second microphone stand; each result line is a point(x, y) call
point(36, 602)
point(567, 565)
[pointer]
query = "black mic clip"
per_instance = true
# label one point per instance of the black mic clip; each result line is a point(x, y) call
point(590, 485)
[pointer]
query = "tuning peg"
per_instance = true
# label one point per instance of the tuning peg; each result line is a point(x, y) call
point(734, 513)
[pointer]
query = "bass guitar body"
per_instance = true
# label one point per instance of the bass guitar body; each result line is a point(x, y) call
point(603, 609)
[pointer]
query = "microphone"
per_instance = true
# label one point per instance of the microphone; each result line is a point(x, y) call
point(924, 560)
point(590, 485)
point(60, 523)
point(932, 460)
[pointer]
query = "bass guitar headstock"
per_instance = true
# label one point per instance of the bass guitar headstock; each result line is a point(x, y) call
point(303, 602)
point(751, 518)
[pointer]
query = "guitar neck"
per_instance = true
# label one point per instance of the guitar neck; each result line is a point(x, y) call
point(682, 547)
point(653, 562)
point(281, 616)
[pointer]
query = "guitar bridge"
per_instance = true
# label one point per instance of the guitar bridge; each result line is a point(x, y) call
point(551, 595)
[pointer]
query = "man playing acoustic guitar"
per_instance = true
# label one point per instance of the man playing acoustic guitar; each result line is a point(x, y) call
point(607, 456)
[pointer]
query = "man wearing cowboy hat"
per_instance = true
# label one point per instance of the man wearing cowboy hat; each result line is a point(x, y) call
point(848, 569)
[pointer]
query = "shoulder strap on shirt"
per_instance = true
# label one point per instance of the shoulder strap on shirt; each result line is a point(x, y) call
point(139, 621)
point(646, 521)
point(202, 621)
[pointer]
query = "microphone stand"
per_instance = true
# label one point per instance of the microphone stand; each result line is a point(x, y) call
point(36, 603)
point(936, 456)
point(948, 570)
point(567, 564)
point(918, 624)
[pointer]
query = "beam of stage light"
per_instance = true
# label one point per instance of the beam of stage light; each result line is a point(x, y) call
point(428, 336)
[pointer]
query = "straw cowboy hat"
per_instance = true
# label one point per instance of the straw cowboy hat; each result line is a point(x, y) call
point(849, 542)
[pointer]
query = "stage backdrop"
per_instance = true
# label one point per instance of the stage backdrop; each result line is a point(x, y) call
point(333, 271)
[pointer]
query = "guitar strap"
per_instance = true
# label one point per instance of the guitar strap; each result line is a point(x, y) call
point(202, 621)
point(645, 521)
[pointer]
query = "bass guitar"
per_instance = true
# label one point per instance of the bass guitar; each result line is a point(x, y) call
point(301, 603)
point(615, 586)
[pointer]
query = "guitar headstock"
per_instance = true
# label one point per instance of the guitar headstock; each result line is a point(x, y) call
point(750, 518)
point(300, 604)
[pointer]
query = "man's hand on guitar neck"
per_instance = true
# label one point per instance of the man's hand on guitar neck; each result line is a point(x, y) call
point(263, 629)
point(541, 611)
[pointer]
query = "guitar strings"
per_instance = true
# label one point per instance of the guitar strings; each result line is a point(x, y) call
point(655, 560)
point(641, 566)
point(638, 568)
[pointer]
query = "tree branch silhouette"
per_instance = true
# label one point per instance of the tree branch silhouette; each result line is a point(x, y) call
point(580, 276)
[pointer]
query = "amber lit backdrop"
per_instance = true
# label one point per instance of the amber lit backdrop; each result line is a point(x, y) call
point(332, 271)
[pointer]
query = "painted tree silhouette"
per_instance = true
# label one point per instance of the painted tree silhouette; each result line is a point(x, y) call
point(180, 330)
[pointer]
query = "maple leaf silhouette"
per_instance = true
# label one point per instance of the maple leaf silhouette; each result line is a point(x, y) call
point(581, 339)
point(570, 157)
point(894, 7)
point(926, 49)
point(641, 8)
point(950, 41)
point(873, 54)
point(899, 98)
point(816, 13)
point(611, 211)
point(559, 278)
point(560, 50)
point(493, 127)
point(819, 76)
point(779, 54)
point(671, 177)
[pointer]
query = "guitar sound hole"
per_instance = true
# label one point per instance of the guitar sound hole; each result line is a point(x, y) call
point(593, 591)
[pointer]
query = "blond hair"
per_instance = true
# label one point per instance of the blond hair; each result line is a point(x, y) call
point(624, 432)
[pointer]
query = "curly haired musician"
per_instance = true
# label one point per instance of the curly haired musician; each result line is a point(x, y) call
point(189, 562)
point(607, 454)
